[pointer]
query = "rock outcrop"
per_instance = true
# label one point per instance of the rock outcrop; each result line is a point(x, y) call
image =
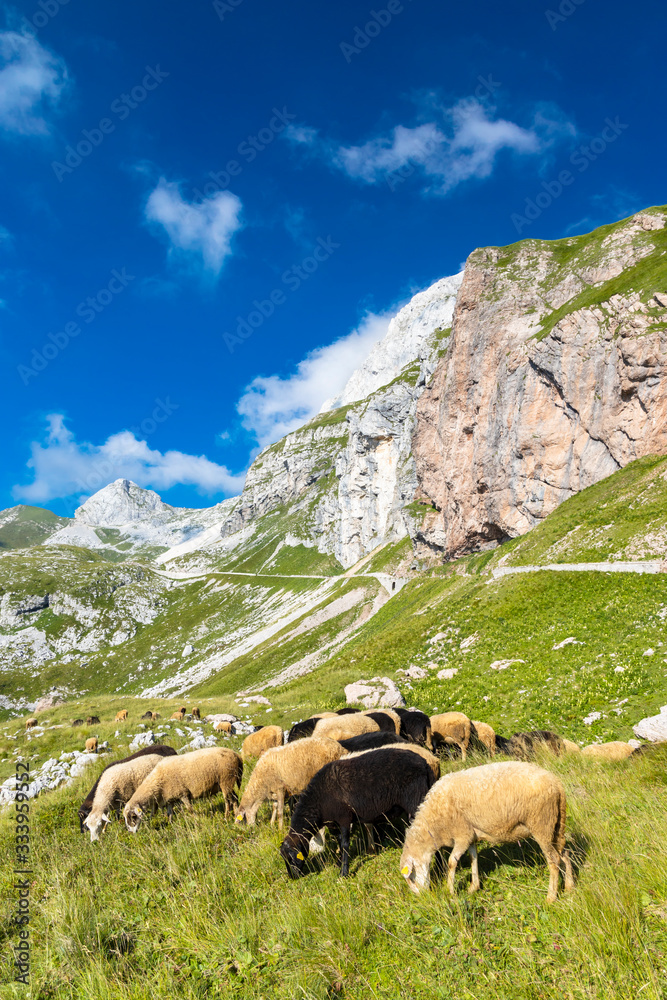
point(554, 378)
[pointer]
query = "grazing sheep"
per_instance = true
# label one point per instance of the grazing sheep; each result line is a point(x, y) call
point(430, 758)
point(121, 716)
point(341, 727)
point(223, 727)
point(147, 715)
point(608, 751)
point(91, 745)
point(571, 747)
point(415, 726)
point(285, 771)
point(196, 714)
point(486, 736)
point(303, 729)
point(523, 746)
point(77, 722)
point(503, 745)
point(452, 729)
point(363, 788)
point(87, 804)
point(264, 739)
point(178, 716)
point(388, 720)
point(500, 803)
point(92, 720)
point(347, 711)
point(31, 723)
point(371, 741)
point(193, 775)
point(116, 786)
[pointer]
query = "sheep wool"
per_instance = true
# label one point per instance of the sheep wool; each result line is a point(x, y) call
point(614, 751)
point(341, 727)
point(91, 745)
point(486, 736)
point(499, 803)
point(86, 806)
point(422, 752)
point(264, 739)
point(381, 715)
point(452, 729)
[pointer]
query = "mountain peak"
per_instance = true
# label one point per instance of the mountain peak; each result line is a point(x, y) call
point(122, 502)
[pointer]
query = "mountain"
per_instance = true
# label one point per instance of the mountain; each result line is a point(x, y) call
point(23, 526)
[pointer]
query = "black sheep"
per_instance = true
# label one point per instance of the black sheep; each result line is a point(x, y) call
point(362, 788)
point(384, 721)
point(503, 745)
point(370, 741)
point(415, 726)
point(347, 711)
point(301, 729)
point(524, 745)
point(86, 806)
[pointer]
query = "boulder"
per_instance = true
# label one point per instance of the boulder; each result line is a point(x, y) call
point(654, 728)
point(378, 692)
point(220, 717)
point(142, 740)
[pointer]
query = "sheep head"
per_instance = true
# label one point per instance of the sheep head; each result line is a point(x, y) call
point(415, 873)
point(133, 818)
point(294, 850)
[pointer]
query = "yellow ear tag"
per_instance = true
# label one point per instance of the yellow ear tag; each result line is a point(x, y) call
point(239, 819)
point(405, 870)
point(300, 856)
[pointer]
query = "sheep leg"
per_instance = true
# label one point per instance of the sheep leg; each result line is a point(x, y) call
point(345, 851)
point(274, 813)
point(457, 852)
point(553, 860)
point(474, 868)
point(569, 877)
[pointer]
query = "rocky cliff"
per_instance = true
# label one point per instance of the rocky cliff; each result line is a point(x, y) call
point(553, 379)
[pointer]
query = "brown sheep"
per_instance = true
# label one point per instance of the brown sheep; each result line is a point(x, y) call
point(571, 747)
point(92, 720)
point(451, 729)
point(486, 736)
point(178, 716)
point(342, 727)
point(523, 746)
point(394, 716)
point(196, 714)
point(285, 771)
point(121, 716)
point(501, 803)
point(223, 727)
point(194, 775)
point(608, 751)
point(91, 745)
point(264, 739)
point(31, 723)
point(77, 722)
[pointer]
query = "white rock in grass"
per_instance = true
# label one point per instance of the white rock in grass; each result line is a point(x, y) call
point(504, 664)
point(142, 740)
point(378, 692)
point(648, 652)
point(447, 674)
point(591, 718)
point(188, 649)
point(653, 728)
point(570, 641)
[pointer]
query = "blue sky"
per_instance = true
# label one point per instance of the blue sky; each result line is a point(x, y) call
point(208, 211)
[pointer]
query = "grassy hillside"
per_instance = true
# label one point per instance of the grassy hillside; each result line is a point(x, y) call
point(23, 526)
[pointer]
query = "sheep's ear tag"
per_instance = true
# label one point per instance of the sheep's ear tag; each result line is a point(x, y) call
point(405, 870)
point(239, 819)
point(300, 856)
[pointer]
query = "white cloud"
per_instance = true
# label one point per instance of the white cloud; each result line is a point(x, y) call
point(201, 230)
point(465, 144)
point(32, 81)
point(63, 467)
point(273, 406)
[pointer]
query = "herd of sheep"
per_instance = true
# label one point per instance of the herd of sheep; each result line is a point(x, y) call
point(369, 767)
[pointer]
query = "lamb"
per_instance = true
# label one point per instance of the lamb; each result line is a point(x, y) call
point(430, 758)
point(223, 727)
point(502, 803)
point(263, 739)
point(91, 745)
point(92, 720)
point(193, 775)
point(121, 716)
point(452, 729)
point(486, 736)
point(388, 720)
point(285, 771)
point(31, 723)
point(341, 727)
point(415, 726)
point(363, 788)
point(371, 741)
point(524, 745)
point(614, 751)
point(116, 786)
point(87, 804)
point(303, 729)
point(178, 716)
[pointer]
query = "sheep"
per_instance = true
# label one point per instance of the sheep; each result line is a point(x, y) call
point(196, 714)
point(77, 722)
point(523, 746)
point(362, 788)
point(263, 739)
point(223, 727)
point(430, 758)
point(502, 803)
point(608, 751)
point(147, 715)
point(121, 716)
point(193, 775)
point(371, 741)
point(91, 745)
point(415, 726)
point(87, 804)
point(343, 726)
point(452, 729)
point(486, 736)
point(388, 720)
point(300, 730)
point(503, 745)
point(178, 716)
point(285, 771)
point(116, 786)
point(571, 747)
point(347, 711)
point(92, 720)
point(31, 723)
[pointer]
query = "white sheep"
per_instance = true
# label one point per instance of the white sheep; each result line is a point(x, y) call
point(116, 786)
point(342, 727)
point(193, 775)
point(615, 751)
point(499, 803)
point(452, 729)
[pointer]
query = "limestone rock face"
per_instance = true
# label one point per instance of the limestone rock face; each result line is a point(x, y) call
point(554, 378)
point(378, 692)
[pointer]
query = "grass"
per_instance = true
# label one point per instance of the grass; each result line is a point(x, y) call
point(23, 526)
point(200, 909)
